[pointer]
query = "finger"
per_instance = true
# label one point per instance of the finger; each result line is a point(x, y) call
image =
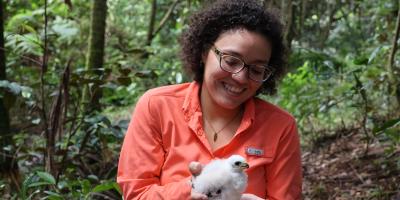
point(198, 196)
point(195, 168)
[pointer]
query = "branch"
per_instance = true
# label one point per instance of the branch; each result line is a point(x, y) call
point(49, 142)
point(166, 17)
point(150, 33)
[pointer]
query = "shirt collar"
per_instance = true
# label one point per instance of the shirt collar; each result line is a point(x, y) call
point(191, 104)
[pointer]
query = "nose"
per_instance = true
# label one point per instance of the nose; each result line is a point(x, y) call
point(242, 76)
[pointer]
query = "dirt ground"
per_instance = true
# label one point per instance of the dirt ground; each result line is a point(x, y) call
point(339, 168)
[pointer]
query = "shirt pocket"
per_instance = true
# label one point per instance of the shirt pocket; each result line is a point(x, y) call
point(258, 156)
point(256, 162)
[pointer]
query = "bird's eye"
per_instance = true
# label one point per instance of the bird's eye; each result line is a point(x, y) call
point(219, 191)
point(237, 163)
point(209, 194)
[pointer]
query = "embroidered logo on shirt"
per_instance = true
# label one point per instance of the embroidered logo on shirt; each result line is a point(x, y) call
point(254, 152)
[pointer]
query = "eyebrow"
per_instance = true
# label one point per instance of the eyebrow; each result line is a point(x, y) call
point(234, 53)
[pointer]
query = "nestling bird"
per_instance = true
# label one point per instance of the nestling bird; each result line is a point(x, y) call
point(222, 179)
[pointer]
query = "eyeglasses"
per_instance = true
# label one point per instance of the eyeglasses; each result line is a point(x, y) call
point(232, 64)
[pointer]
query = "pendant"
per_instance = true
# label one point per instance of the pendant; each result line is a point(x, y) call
point(215, 136)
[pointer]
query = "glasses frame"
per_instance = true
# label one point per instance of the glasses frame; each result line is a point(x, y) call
point(219, 54)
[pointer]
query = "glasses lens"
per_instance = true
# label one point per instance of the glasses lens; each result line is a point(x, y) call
point(231, 64)
point(259, 72)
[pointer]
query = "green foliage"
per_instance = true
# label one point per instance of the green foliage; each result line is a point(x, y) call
point(42, 184)
point(336, 81)
point(34, 181)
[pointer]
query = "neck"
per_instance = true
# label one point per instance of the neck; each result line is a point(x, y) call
point(212, 111)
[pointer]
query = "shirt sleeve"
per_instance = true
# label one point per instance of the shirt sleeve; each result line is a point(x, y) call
point(284, 174)
point(142, 157)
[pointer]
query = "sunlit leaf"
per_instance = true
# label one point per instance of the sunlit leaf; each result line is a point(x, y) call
point(374, 54)
point(47, 177)
point(64, 28)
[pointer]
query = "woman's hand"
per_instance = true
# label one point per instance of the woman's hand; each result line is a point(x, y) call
point(195, 169)
point(248, 196)
point(197, 196)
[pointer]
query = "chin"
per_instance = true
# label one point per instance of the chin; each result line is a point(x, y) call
point(229, 105)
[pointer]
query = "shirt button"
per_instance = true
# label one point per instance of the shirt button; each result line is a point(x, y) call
point(199, 132)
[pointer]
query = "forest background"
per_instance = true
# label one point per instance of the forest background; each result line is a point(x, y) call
point(71, 72)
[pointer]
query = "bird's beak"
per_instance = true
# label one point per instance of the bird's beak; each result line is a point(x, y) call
point(244, 166)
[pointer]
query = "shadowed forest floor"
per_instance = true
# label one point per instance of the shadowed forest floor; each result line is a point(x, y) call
point(338, 168)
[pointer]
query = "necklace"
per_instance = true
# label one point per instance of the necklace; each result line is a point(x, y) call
point(217, 132)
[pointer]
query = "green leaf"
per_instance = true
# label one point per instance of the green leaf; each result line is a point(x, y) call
point(85, 184)
point(47, 177)
point(53, 195)
point(124, 80)
point(104, 187)
point(374, 54)
point(65, 30)
point(387, 125)
point(93, 177)
point(38, 184)
point(116, 187)
point(360, 61)
point(29, 28)
point(25, 186)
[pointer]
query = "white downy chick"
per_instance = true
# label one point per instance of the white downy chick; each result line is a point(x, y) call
point(222, 179)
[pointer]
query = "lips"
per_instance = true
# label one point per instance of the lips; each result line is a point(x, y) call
point(232, 89)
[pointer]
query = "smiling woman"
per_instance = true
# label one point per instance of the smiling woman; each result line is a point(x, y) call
point(234, 49)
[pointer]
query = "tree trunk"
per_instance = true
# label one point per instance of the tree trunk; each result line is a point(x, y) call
point(8, 167)
point(4, 118)
point(303, 10)
point(287, 14)
point(2, 52)
point(150, 32)
point(94, 61)
point(325, 30)
point(393, 79)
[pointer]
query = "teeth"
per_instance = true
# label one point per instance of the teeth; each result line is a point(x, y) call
point(233, 89)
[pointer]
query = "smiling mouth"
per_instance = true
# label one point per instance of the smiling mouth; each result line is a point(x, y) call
point(232, 89)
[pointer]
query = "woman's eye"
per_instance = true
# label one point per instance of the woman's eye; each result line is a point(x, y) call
point(257, 70)
point(231, 61)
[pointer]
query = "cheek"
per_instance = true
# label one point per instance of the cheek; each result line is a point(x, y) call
point(213, 71)
point(255, 87)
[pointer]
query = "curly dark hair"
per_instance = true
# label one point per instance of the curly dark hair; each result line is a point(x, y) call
point(208, 24)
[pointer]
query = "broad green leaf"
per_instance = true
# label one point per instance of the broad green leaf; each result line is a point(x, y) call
point(387, 125)
point(374, 54)
point(93, 177)
point(64, 28)
point(116, 187)
point(38, 184)
point(103, 187)
point(53, 195)
point(47, 177)
point(25, 185)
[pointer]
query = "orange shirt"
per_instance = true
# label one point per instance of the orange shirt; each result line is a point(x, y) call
point(166, 133)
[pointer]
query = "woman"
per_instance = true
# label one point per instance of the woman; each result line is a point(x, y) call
point(235, 51)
